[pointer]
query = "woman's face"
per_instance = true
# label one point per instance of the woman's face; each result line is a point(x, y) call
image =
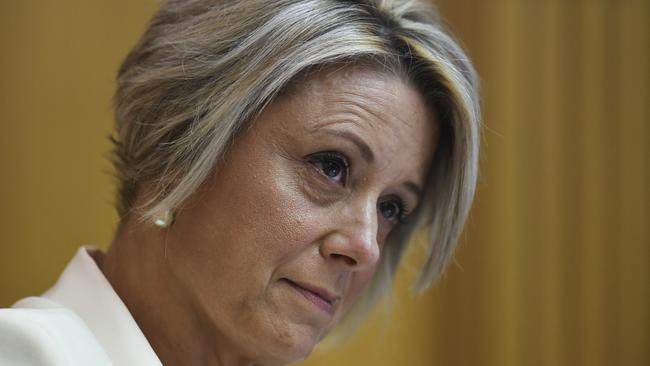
point(279, 244)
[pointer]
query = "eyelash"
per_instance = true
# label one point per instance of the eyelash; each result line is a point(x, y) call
point(403, 209)
point(329, 157)
point(342, 162)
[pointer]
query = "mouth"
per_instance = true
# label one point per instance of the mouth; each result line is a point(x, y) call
point(319, 297)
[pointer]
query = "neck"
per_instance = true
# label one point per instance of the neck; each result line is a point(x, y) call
point(179, 333)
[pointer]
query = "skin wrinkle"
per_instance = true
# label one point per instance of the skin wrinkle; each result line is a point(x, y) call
point(366, 151)
point(363, 111)
point(269, 213)
point(347, 108)
point(414, 190)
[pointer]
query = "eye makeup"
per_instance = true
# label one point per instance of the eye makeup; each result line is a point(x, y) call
point(399, 206)
point(332, 165)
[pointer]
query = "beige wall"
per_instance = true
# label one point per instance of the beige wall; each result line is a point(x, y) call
point(554, 266)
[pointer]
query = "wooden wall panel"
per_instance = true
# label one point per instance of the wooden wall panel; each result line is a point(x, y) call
point(563, 207)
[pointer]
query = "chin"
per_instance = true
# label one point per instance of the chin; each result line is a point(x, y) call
point(292, 346)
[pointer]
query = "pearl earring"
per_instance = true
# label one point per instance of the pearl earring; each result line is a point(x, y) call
point(165, 219)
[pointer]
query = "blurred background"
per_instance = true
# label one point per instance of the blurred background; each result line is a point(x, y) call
point(554, 266)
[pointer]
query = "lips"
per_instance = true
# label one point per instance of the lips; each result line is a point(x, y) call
point(318, 296)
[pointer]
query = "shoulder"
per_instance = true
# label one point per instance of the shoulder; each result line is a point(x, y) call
point(39, 333)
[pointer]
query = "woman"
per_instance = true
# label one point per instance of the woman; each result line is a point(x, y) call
point(273, 160)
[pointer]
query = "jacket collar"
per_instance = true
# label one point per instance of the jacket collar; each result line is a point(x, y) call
point(83, 289)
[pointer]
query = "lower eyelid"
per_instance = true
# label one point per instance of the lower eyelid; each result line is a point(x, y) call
point(320, 180)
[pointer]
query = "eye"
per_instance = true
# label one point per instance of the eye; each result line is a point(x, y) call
point(393, 210)
point(331, 164)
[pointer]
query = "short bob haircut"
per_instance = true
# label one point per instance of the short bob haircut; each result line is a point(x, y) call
point(204, 69)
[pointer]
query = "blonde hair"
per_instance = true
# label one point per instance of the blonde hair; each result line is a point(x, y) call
point(204, 69)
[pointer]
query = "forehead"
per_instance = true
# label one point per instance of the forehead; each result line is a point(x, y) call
point(376, 101)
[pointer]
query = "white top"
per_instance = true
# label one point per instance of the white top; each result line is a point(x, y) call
point(79, 321)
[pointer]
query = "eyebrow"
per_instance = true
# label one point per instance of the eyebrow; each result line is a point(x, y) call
point(414, 188)
point(369, 156)
point(366, 151)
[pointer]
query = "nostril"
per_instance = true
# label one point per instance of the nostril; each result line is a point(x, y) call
point(348, 260)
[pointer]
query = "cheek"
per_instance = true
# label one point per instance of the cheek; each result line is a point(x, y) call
point(280, 221)
point(246, 225)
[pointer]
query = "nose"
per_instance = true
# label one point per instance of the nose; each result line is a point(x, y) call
point(352, 242)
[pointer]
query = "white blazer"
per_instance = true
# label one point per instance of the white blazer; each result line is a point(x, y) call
point(79, 321)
